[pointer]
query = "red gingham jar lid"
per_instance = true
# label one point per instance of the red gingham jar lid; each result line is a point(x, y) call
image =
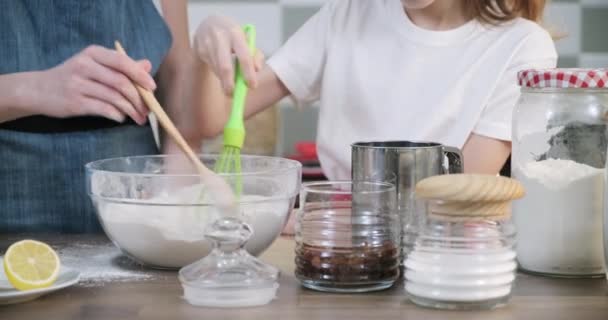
point(564, 78)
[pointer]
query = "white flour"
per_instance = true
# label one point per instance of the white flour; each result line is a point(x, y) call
point(559, 221)
point(101, 263)
point(172, 236)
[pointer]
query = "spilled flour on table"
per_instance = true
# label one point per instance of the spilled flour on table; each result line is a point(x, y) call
point(102, 263)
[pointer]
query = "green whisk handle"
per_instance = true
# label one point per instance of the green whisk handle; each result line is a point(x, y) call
point(234, 132)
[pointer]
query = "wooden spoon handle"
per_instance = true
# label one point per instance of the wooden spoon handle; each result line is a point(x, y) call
point(166, 122)
point(217, 185)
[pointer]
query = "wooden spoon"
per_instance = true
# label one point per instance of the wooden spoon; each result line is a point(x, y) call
point(222, 192)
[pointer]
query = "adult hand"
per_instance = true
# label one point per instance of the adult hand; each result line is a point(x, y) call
point(96, 81)
point(217, 38)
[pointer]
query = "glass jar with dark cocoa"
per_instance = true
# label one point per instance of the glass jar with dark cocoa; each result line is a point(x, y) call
point(347, 236)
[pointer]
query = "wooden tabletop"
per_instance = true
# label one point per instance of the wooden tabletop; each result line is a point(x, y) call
point(159, 297)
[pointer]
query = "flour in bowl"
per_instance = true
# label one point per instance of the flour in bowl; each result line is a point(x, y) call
point(171, 236)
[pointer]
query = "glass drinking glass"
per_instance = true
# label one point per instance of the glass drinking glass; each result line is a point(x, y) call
point(347, 236)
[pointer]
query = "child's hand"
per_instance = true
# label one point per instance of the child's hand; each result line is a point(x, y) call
point(216, 39)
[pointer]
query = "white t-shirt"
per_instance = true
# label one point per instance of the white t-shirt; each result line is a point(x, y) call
point(380, 77)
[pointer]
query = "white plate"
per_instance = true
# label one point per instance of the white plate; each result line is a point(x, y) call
point(10, 295)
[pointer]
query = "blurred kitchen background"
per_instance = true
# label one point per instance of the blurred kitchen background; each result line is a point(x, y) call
point(584, 24)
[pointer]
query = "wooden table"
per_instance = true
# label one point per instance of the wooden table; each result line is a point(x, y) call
point(534, 297)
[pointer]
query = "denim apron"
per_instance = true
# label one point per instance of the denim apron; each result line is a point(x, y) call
point(42, 177)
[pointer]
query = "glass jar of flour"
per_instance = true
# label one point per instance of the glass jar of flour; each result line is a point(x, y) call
point(560, 137)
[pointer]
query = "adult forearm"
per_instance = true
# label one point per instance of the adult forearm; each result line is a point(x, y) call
point(211, 106)
point(176, 97)
point(16, 95)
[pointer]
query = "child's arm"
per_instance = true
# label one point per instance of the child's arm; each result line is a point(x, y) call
point(485, 155)
point(215, 104)
point(488, 146)
point(295, 69)
point(217, 38)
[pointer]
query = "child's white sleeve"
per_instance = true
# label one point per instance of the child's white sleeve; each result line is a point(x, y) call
point(300, 62)
point(538, 52)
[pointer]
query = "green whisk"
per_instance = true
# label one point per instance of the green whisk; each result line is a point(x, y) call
point(234, 131)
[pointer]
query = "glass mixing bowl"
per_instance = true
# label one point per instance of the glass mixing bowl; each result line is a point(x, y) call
point(156, 208)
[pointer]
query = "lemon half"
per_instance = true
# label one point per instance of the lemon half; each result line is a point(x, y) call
point(31, 264)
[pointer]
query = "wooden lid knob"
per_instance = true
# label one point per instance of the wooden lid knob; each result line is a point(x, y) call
point(469, 188)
